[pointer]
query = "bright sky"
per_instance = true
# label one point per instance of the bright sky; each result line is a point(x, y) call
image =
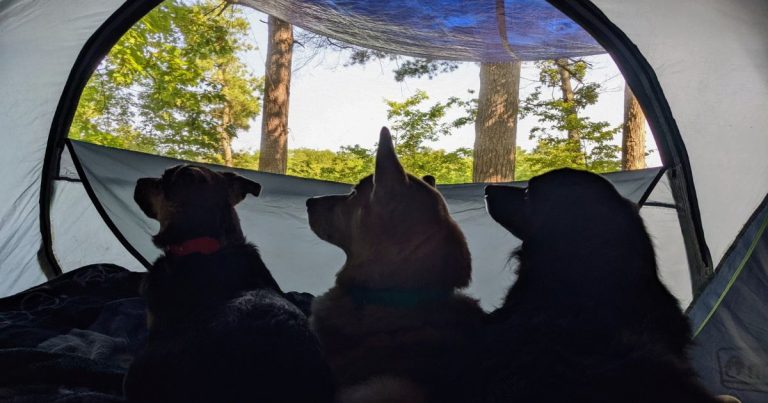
point(332, 105)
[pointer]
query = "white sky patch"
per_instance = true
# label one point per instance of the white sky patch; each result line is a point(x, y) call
point(333, 105)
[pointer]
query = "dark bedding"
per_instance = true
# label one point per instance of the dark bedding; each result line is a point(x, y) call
point(73, 338)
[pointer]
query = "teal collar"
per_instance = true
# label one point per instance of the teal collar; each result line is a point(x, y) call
point(397, 297)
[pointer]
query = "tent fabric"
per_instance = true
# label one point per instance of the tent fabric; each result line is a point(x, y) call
point(711, 58)
point(39, 42)
point(663, 225)
point(277, 223)
point(80, 236)
point(730, 319)
point(470, 30)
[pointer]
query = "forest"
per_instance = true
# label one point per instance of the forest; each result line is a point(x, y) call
point(176, 85)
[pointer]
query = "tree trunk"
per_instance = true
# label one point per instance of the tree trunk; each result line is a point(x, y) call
point(633, 133)
point(224, 138)
point(567, 89)
point(277, 83)
point(496, 123)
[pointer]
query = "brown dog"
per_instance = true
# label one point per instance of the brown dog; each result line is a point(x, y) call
point(220, 328)
point(392, 321)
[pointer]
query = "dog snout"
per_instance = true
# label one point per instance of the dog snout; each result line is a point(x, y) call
point(325, 203)
point(143, 194)
point(507, 206)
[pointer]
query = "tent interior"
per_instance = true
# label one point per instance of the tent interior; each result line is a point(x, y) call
point(68, 204)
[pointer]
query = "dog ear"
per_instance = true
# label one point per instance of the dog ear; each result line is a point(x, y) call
point(430, 180)
point(240, 186)
point(389, 173)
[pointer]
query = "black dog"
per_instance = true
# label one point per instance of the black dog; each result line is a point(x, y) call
point(220, 328)
point(588, 319)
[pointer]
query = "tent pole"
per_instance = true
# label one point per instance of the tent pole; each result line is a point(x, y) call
point(97, 46)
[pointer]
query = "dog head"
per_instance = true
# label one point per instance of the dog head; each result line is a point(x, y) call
point(567, 215)
point(192, 202)
point(394, 228)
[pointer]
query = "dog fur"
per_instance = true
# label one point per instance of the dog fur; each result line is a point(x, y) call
point(588, 319)
point(220, 328)
point(394, 317)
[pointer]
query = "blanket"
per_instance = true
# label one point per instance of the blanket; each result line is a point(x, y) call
point(73, 338)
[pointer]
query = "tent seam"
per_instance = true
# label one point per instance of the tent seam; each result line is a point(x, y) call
point(734, 277)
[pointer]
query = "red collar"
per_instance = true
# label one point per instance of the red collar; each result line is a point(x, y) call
point(205, 245)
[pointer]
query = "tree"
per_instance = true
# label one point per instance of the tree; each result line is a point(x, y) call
point(174, 84)
point(277, 88)
point(633, 133)
point(277, 91)
point(565, 138)
point(496, 122)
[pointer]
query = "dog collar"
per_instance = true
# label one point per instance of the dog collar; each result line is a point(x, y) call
point(397, 297)
point(205, 245)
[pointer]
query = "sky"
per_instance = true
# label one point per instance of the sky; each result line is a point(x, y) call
point(332, 105)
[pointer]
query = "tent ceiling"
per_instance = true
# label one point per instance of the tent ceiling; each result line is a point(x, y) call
point(468, 30)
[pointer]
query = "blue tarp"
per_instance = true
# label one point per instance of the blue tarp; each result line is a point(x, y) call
point(470, 30)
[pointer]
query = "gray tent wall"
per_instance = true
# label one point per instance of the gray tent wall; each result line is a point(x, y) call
point(277, 221)
point(39, 43)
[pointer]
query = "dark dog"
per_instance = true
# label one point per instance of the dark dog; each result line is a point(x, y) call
point(220, 329)
point(394, 318)
point(588, 319)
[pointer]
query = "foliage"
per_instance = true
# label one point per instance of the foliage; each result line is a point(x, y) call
point(415, 126)
point(173, 84)
point(352, 163)
point(589, 144)
point(348, 165)
point(246, 159)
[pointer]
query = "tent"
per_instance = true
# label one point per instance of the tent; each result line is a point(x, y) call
point(698, 69)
